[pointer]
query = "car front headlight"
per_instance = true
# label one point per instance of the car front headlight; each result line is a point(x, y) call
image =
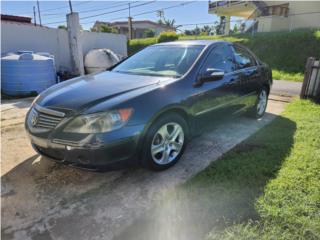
point(99, 122)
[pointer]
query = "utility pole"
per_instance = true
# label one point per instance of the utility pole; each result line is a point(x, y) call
point(34, 16)
point(130, 24)
point(70, 6)
point(39, 12)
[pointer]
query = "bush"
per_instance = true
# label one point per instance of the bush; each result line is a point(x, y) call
point(136, 45)
point(285, 52)
point(167, 37)
point(149, 33)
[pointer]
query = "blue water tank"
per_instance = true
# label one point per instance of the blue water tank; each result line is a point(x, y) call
point(24, 73)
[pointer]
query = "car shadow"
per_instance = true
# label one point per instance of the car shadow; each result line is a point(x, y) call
point(38, 185)
point(223, 194)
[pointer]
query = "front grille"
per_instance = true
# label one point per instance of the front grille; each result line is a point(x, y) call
point(44, 118)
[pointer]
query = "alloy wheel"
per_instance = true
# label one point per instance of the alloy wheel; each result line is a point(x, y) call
point(167, 143)
point(262, 102)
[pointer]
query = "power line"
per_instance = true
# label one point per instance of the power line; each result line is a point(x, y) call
point(92, 10)
point(112, 6)
point(161, 9)
point(76, 4)
point(105, 13)
point(194, 24)
point(119, 10)
point(51, 9)
point(181, 4)
point(148, 12)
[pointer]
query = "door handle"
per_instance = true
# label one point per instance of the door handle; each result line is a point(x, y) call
point(252, 73)
point(232, 81)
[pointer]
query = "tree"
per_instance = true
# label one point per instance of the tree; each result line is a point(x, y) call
point(62, 27)
point(108, 29)
point(188, 32)
point(242, 27)
point(167, 22)
point(148, 33)
point(206, 30)
point(235, 28)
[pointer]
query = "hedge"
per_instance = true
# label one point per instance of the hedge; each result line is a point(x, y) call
point(283, 51)
point(136, 45)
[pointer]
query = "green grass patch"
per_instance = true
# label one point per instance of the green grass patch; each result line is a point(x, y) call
point(282, 75)
point(289, 154)
point(267, 187)
point(285, 52)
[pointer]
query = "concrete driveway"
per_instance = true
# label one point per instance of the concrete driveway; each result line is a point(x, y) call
point(43, 200)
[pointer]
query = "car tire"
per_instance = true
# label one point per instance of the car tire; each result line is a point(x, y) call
point(261, 104)
point(165, 142)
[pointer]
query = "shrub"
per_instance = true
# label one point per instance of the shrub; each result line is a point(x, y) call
point(136, 45)
point(148, 33)
point(167, 37)
point(285, 52)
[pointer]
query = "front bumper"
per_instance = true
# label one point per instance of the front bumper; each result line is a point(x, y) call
point(101, 151)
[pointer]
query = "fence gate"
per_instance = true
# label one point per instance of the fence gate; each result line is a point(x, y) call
point(311, 83)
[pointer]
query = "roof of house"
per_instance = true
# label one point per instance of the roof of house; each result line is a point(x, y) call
point(12, 18)
point(135, 22)
point(192, 42)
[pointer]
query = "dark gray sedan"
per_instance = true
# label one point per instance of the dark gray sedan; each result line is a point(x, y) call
point(146, 108)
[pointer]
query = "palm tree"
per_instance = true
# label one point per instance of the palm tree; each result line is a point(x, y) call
point(167, 22)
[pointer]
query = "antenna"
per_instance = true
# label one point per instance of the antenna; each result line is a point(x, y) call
point(39, 12)
point(70, 6)
point(34, 16)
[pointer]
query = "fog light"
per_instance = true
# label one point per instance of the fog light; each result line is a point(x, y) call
point(68, 148)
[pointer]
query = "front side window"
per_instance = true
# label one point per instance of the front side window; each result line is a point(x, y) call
point(220, 58)
point(173, 61)
point(243, 58)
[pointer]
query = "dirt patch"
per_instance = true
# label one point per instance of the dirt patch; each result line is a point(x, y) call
point(44, 199)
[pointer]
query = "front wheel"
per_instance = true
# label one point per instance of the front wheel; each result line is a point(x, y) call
point(165, 142)
point(261, 104)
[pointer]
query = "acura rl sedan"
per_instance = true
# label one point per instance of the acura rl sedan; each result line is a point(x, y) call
point(147, 107)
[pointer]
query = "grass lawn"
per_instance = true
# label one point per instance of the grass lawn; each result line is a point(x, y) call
point(265, 188)
point(269, 186)
point(282, 75)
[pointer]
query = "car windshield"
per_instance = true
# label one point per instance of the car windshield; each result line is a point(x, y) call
point(172, 61)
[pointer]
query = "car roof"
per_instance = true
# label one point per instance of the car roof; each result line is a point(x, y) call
point(192, 42)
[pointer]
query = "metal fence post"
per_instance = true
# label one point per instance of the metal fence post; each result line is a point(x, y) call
point(307, 74)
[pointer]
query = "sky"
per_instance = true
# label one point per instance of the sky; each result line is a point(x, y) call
point(53, 13)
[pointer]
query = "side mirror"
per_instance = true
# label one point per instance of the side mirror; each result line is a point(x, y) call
point(211, 74)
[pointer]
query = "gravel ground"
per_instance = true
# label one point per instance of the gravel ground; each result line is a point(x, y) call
point(44, 200)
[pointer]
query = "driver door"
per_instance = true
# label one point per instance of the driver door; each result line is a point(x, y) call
point(218, 95)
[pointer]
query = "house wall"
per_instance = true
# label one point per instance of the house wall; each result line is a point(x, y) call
point(116, 42)
point(302, 14)
point(15, 37)
point(273, 24)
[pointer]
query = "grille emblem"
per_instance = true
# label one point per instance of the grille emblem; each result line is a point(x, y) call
point(34, 119)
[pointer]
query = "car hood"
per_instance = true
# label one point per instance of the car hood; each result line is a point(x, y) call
point(83, 92)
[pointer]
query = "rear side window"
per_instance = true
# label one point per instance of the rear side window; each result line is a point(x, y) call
point(221, 58)
point(243, 58)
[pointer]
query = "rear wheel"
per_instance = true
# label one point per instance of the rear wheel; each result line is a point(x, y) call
point(261, 104)
point(165, 142)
